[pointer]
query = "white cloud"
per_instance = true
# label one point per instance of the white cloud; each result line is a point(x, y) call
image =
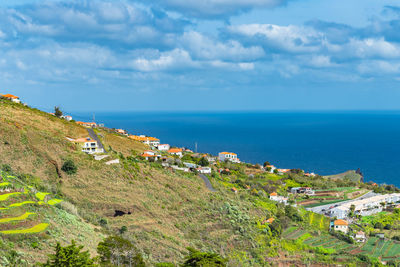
point(287, 38)
point(204, 47)
point(171, 60)
point(216, 8)
point(370, 48)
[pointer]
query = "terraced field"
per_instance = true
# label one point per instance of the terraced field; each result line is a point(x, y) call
point(378, 248)
point(323, 240)
point(17, 203)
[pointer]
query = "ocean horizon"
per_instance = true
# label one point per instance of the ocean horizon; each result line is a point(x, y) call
point(324, 142)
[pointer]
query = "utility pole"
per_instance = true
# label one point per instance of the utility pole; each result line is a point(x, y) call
point(195, 147)
point(94, 118)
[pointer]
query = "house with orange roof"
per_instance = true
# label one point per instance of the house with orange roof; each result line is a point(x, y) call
point(87, 124)
point(282, 171)
point(151, 155)
point(280, 199)
point(147, 140)
point(341, 225)
point(270, 168)
point(11, 97)
point(121, 131)
point(234, 190)
point(228, 156)
point(360, 237)
point(87, 144)
point(176, 151)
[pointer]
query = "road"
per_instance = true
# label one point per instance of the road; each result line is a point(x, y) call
point(94, 136)
point(326, 207)
point(207, 182)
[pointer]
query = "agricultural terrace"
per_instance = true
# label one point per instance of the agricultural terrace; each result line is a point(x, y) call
point(16, 202)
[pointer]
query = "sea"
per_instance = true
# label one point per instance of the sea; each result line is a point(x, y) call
point(321, 142)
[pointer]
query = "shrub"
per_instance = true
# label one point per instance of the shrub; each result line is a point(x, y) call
point(117, 250)
point(69, 256)
point(69, 167)
point(6, 168)
point(123, 229)
point(199, 259)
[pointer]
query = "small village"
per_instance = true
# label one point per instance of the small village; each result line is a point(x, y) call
point(347, 209)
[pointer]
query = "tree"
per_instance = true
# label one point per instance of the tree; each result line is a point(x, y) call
point(119, 251)
point(69, 167)
point(57, 112)
point(266, 164)
point(203, 259)
point(204, 162)
point(69, 256)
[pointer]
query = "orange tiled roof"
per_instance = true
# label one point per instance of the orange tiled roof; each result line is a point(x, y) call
point(228, 153)
point(270, 220)
point(10, 96)
point(340, 222)
point(84, 140)
point(274, 194)
point(83, 123)
point(143, 138)
point(175, 150)
point(148, 155)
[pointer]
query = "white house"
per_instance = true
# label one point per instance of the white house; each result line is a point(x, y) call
point(88, 145)
point(150, 154)
point(67, 117)
point(163, 147)
point(11, 97)
point(151, 141)
point(204, 170)
point(274, 197)
point(360, 237)
point(223, 156)
point(341, 225)
point(176, 151)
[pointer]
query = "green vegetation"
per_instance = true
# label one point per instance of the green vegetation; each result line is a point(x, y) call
point(69, 256)
point(69, 167)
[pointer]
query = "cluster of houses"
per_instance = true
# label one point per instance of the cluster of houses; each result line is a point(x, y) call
point(364, 207)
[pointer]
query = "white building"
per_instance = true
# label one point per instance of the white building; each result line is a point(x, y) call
point(229, 156)
point(88, 145)
point(176, 151)
point(204, 170)
point(67, 117)
point(163, 147)
point(150, 154)
point(360, 237)
point(341, 225)
point(274, 197)
point(365, 207)
point(151, 141)
point(11, 97)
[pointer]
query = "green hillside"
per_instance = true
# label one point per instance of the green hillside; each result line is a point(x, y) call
point(169, 210)
point(349, 175)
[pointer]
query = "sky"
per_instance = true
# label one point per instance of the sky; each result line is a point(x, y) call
point(209, 55)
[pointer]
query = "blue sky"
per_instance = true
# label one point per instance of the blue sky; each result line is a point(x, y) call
point(202, 55)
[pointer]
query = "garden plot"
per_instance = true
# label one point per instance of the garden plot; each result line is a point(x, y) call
point(14, 204)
